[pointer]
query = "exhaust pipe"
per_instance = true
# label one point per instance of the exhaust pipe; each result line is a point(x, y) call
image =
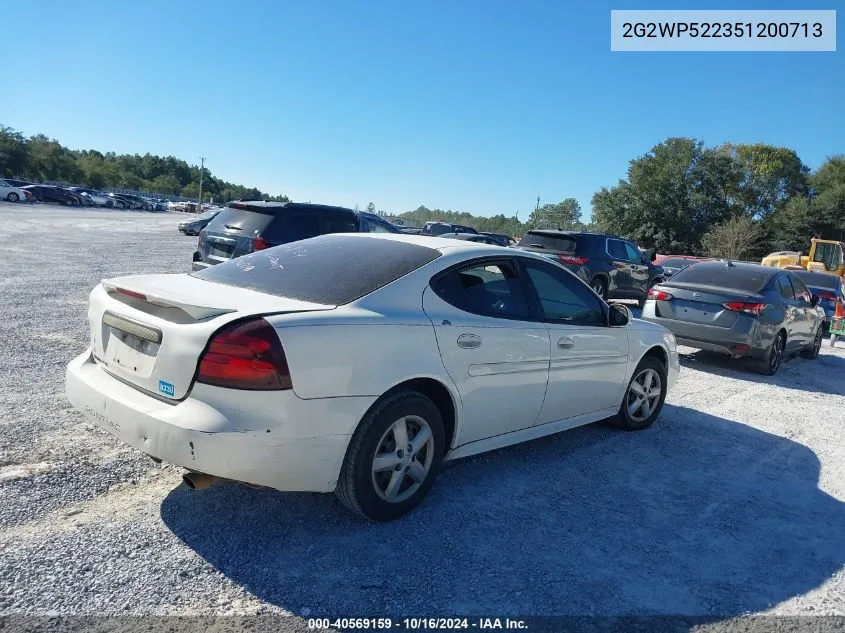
point(198, 481)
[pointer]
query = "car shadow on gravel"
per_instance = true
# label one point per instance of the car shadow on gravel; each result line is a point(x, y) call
point(697, 515)
point(820, 375)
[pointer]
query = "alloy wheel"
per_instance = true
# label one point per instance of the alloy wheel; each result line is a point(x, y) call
point(644, 394)
point(777, 353)
point(403, 459)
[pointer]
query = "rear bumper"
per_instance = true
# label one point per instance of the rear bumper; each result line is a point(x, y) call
point(286, 443)
point(710, 338)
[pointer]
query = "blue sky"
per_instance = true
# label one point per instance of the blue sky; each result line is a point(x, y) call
point(476, 105)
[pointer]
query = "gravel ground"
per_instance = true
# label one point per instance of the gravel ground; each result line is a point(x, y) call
point(732, 503)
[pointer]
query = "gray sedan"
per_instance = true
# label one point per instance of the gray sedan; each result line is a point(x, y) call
point(743, 310)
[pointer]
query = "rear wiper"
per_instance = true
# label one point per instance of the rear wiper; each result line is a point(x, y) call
point(537, 246)
point(234, 228)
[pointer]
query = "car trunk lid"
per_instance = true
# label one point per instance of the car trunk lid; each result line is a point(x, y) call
point(701, 304)
point(150, 330)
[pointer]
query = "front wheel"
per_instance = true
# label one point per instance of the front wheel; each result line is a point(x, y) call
point(644, 397)
point(13, 197)
point(393, 458)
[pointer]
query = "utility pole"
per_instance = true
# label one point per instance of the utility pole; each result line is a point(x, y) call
point(202, 165)
point(537, 211)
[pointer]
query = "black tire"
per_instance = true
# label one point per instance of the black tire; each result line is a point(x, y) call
point(356, 486)
point(599, 286)
point(813, 351)
point(13, 197)
point(624, 419)
point(109, 204)
point(770, 363)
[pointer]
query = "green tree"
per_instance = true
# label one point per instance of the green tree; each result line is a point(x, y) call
point(770, 176)
point(566, 214)
point(13, 152)
point(734, 239)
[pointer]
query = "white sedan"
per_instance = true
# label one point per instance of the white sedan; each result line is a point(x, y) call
point(360, 363)
point(11, 193)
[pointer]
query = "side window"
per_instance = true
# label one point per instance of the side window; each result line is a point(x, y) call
point(617, 249)
point(785, 288)
point(338, 223)
point(802, 293)
point(377, 227)
point(292, 228)
point(563, 298)
point(490, 289)
point(634, 253)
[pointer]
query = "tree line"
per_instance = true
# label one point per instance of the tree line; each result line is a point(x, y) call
point(42, 159)
point(739, 201)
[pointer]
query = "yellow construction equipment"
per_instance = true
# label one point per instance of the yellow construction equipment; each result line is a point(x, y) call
point(826, 256)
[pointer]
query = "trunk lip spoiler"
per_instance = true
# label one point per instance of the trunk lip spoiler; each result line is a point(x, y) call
point(195, 310)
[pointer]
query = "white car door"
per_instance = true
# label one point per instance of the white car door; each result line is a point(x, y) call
point(496, 355)
point(588, 357)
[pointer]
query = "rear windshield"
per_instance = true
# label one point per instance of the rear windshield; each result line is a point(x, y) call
point(329, 269)
point(549, 241)
point(246, 223)
point(738, 277)
point(675, 262)
point(818, 280)
point(439, 229)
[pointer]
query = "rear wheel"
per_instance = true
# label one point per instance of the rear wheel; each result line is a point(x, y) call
point(814, 349)
point(770, 363)
point(644, 397)
point(13, 197)
point(393, 457)
point(599, 287)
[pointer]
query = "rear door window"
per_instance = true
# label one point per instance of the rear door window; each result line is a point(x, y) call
point(802, 293)
point(490, 288)
point(292, 227)
point(616, 249)
point(785, 288)
point(634, 253)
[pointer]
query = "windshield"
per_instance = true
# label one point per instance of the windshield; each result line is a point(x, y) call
point(748, 278)
point(830, 254)
point(549, 241)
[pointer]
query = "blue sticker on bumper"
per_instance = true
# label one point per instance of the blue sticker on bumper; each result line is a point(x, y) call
point(166, 388)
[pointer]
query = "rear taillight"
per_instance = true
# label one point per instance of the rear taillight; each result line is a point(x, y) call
point(572, 259)
point(131, 293)
point(261, 244)
point(245, 355)
point(659, 295)
point(747, 308)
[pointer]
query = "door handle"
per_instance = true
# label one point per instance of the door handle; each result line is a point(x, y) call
point(565, 342)
point(469, 341)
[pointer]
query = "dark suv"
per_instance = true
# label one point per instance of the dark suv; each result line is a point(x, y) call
point(251, 225)
point(614, 267)
point(439, 228)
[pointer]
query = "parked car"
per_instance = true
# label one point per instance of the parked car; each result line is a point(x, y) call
point(439, 228)
point(119, 201)
point(193, 226)
point(135, 202)
point(10, 192)
point(612, 266)
point(98, 198)
point(471, 237)
point(18, 183)
point(283, 368)
point(828, 287)
point(673, 263)
point(48, 193)
point(742, 310)
point(501, 239)
point(247, 226)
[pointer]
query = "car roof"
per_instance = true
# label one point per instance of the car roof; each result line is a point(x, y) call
point(574, 233)
point(246, 205)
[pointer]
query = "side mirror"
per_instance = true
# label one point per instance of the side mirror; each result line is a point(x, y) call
point(814, 300)
point(619, 315)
